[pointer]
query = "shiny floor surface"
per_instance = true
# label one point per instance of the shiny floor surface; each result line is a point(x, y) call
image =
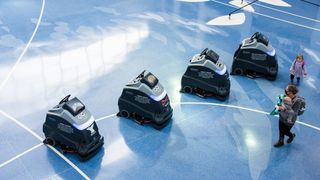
point(91, 49)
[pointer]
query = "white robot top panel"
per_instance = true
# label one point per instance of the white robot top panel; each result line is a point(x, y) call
point(209, 59)
point(260, 42)
point(149, 84)
point(74, 112)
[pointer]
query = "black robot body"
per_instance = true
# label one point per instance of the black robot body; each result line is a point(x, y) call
point(145, 100)
point(206, 75)
point(255, 57)
point(71, 126)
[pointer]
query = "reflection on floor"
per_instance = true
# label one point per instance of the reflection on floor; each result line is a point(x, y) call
point(92, 49)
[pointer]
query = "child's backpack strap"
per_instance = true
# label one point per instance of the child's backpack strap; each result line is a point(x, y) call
point(294, 63)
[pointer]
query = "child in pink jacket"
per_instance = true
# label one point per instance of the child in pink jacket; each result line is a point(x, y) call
point(297, 68)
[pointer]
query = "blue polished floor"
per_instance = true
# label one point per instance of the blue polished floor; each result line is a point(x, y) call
point(91, 49)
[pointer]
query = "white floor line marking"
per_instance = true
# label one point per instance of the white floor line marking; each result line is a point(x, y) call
point(21, 125)
point(69, 162)
point(25, 49)
point(285, 12)
point(19, 155)
point(238, 107)
point(112, 115)
point(36, 146)
point(217, 104)
point(289, 22)
point(308, 125)
point(41, 139)
point(105, 117)
point(271, 17)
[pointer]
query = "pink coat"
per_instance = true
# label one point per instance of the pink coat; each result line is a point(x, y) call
point(298, 68)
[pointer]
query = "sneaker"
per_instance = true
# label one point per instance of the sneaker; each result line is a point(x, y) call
point(291, 139)
point(279, 143)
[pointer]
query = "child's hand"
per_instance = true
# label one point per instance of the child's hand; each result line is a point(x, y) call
point(305, 75)
point(281, 108)
point(291, 71)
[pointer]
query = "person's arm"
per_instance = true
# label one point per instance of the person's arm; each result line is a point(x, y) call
point(282, 107)
point(292, 66)
point(304, 69)
point(291, 115)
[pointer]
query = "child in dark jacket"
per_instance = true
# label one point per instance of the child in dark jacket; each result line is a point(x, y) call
point(287, 116)
point(297, 68)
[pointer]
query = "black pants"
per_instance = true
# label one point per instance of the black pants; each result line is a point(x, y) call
point(284, 130)
point(292, 77)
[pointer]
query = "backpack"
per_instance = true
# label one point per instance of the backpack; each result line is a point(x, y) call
point(302, 106)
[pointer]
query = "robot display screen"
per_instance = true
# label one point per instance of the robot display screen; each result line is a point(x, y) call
point(74, 106)
point(150, 80)
point(263, 39)
point(212, 56)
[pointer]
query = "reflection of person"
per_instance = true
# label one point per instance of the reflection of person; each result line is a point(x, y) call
point(288, 113)
point(297, 67)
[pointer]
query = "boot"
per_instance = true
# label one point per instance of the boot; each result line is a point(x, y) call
point(279, 143)
point(291, 139)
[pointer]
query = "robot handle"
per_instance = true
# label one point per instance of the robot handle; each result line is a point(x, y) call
point(254, 35)
point(204, 52)
point(141, 75)
point(65, 99)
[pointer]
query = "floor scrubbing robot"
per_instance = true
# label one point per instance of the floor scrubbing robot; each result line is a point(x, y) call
point(255, 57)
point(71, 126)
point(206, 76)
point(145, 101)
